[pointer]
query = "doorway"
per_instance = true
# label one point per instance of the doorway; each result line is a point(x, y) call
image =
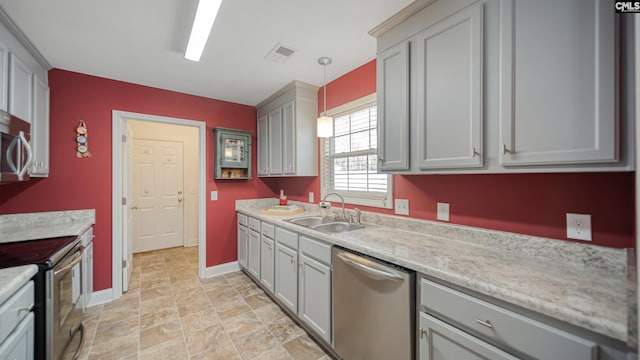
point(144, 146)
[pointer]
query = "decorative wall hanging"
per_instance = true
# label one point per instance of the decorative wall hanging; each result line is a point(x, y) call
point(82, 149)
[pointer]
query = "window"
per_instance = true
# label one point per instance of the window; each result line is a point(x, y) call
point(350, 164)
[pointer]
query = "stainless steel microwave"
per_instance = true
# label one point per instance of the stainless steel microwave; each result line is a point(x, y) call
point(15, 150)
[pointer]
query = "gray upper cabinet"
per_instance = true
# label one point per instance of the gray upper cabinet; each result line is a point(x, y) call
point(275, 142)
point(449, 92)
point(557, 82)
point(40, 128)
point(392, 68)
point(4, 78)
point(263, 145)
point(19, 88)
point(287, 144)
point(505, 86)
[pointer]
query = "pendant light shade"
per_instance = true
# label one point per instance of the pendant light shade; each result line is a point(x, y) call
point(324, 122)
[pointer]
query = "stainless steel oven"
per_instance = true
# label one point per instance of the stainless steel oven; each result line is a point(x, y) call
point(65, 331)
point(15, 150)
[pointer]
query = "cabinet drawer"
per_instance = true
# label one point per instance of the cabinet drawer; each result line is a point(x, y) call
point(15, 309)
point(503, 327)
point(287, 238)
point(254, 224)
point(242, 219)
point(316, 249)
point(268, 230)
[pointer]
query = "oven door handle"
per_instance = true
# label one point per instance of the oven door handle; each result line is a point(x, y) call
point(72, 263)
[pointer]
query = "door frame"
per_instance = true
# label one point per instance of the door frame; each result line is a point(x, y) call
point(118, 120)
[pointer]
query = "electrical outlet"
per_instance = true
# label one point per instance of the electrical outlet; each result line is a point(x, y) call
point(579, 226)
point(402, 206)
point(443, 211)
point(311, 196)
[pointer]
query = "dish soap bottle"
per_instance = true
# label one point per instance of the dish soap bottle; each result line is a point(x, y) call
point(283, 198)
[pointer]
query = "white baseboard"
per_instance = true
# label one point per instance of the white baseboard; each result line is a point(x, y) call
point(101, 297)
point(221, 269)
point(191, 243)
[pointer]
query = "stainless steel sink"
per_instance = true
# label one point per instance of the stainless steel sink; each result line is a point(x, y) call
point(337, 227)
point(326, 225)
point(309, 221)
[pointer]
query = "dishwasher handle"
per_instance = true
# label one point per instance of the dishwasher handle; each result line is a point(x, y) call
point(373, 273)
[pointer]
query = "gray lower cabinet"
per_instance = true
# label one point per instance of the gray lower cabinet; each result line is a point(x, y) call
point(439, 340)
point(253, 256)
point(314, 286)
point(477, 320)
point(286, 271)
point(242, 245)
point(267, 263)
point(17, 324)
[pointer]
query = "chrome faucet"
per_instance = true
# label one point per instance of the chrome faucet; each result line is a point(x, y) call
point(327, 205)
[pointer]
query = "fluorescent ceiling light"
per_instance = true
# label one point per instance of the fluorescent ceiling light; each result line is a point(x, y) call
point(202, 24)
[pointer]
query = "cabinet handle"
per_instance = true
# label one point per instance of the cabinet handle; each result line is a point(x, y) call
point(474, 153)
point(486, 323)
point(423, 333)
point(505, 150)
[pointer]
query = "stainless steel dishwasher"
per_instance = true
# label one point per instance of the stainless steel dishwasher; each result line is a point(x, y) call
point(373, 308)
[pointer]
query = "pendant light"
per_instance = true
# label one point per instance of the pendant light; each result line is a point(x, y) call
point(325, 123)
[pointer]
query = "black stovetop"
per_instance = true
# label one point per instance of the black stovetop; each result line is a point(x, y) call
point(37, 252)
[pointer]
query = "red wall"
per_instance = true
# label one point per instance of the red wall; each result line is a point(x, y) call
point(86, 183)
point(533, 204)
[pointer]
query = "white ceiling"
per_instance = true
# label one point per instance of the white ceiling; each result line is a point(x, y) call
point(143, 41)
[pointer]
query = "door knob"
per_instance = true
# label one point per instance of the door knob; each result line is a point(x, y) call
point(179, 199)
point(180, 192)
point(134, 208)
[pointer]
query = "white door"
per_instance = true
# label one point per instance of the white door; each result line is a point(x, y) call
point(128, 208)
point(158, 194)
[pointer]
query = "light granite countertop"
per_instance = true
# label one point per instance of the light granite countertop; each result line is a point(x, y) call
point(12, 279)
point(583, 285)
point(44, 225)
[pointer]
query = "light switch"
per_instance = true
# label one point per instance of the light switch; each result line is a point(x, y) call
point(443, 211)
point(311, 197)
point(214, 195)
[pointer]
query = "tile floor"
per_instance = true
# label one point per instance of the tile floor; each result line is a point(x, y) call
point(168, 313)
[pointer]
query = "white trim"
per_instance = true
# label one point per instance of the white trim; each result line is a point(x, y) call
point(353, 106)
point(116, 208)
point(101, 297)
point(222, 269)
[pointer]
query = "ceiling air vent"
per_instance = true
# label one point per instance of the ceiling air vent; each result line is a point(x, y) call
point(280, 53)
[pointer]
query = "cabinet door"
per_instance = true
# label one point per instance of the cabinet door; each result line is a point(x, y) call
point(287, 276)
point(19, 345)
point(40, 128)
point(242, 246)
point(441, 341)
point(19, 88)
point(449, 92)
point(289, 138)
point(263, 145)
point(392, 68)
point(254, 254)
point(315, 296)
point(557, 82)
point(275, 142)
point(4, 78)
point(267, 263)
point(87, 276)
